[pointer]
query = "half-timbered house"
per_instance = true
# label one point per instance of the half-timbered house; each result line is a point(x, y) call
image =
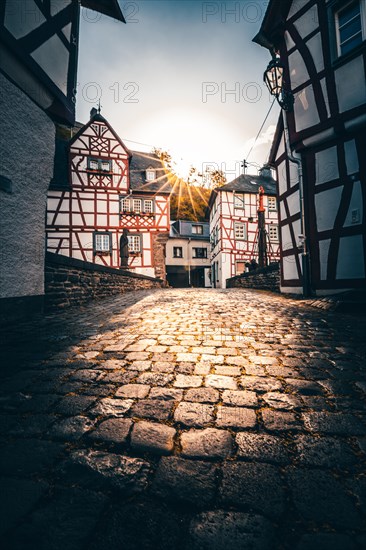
point(105, 195)
point(38, 70)
point(321, 44)
point(234, 225)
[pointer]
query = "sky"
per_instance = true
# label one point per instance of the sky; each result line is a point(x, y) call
point(183, 76)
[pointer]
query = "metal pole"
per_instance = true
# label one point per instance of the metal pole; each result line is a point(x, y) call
point(262, 244)
point(305, 263)
point(189, 264)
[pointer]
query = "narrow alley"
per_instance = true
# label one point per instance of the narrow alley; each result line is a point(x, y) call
point(184, 419)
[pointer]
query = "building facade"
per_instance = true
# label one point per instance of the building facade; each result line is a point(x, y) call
point(38, 62)
point(107, 204)
point(188, 255)
point(322, 48)
point(234, 225)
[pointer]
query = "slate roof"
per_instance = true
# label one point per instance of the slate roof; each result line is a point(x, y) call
point(246, 183)
point(182, 229)
point(108, 7)
point(139, 163)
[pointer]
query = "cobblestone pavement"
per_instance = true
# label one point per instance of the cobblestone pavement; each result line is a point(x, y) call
point(184, 419)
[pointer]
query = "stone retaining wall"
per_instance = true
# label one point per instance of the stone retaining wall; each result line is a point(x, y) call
point(266, 278)
point(70, 282)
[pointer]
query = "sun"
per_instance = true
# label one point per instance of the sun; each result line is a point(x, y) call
point(190, 136)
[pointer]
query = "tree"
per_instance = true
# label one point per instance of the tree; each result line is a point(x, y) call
point(216, 178)
point(164, 156)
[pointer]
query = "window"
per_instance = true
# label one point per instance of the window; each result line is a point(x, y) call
point(273, 233)
point(150, 174)
point(199, 252)
point(272, 203)
point(177, 252)
point(240, 231)
point(99, 165)
point(197, 229)
point(239, 200)
point(137, 205)
point(102, 242)
point(130, 204)
point(93, 164)
point(350, 27)
point(148, 206)
point(125, 204)
point(134, 243)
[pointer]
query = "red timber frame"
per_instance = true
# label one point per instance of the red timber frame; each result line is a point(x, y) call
point(246, 250)
point(92, 204)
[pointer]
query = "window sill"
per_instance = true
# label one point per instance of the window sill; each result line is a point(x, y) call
point(142, 214)
point(340, 60)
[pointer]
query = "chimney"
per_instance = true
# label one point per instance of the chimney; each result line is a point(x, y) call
point(265, 171)
point(93, 112)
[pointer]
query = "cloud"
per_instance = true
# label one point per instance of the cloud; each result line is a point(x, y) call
point(265, 138)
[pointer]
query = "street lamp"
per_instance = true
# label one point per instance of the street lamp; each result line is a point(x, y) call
point(273, 77)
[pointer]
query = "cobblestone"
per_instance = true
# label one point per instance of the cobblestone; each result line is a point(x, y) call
point(194, 414)
point(208, 443)
point(114, 430)
point(156, 438)
point(188, 419)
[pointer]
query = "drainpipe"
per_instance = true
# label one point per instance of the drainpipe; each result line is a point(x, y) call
point(305, 260)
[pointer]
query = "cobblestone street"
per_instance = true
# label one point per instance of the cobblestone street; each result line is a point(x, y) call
point(185, 419)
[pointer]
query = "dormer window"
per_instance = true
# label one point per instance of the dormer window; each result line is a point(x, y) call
point(150, 174)
point(197, 229)
point(99, 165)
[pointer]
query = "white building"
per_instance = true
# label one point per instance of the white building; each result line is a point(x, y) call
point(234, 225)
point(188, 254)
point(38, 79)
point(321, 47)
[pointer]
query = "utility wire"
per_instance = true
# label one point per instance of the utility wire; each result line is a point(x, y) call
point(261, 128)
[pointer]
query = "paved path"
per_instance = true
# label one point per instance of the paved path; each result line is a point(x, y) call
point(184, 419)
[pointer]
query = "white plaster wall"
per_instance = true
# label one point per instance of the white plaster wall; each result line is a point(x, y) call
point(224, 269)
point(356, 203)
point(326, 208)
point(306, 112)
point(289, 268)
point(351, 157)
point(308, 22)
point(323, 255)
point(282, 179)
point(296, 6)
point(293, 203)
point(27, 143)
point(349, 94)
point(316, 51)
point(351, 263)
point(148, 271)
point(298, 71)
point(326, 165)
